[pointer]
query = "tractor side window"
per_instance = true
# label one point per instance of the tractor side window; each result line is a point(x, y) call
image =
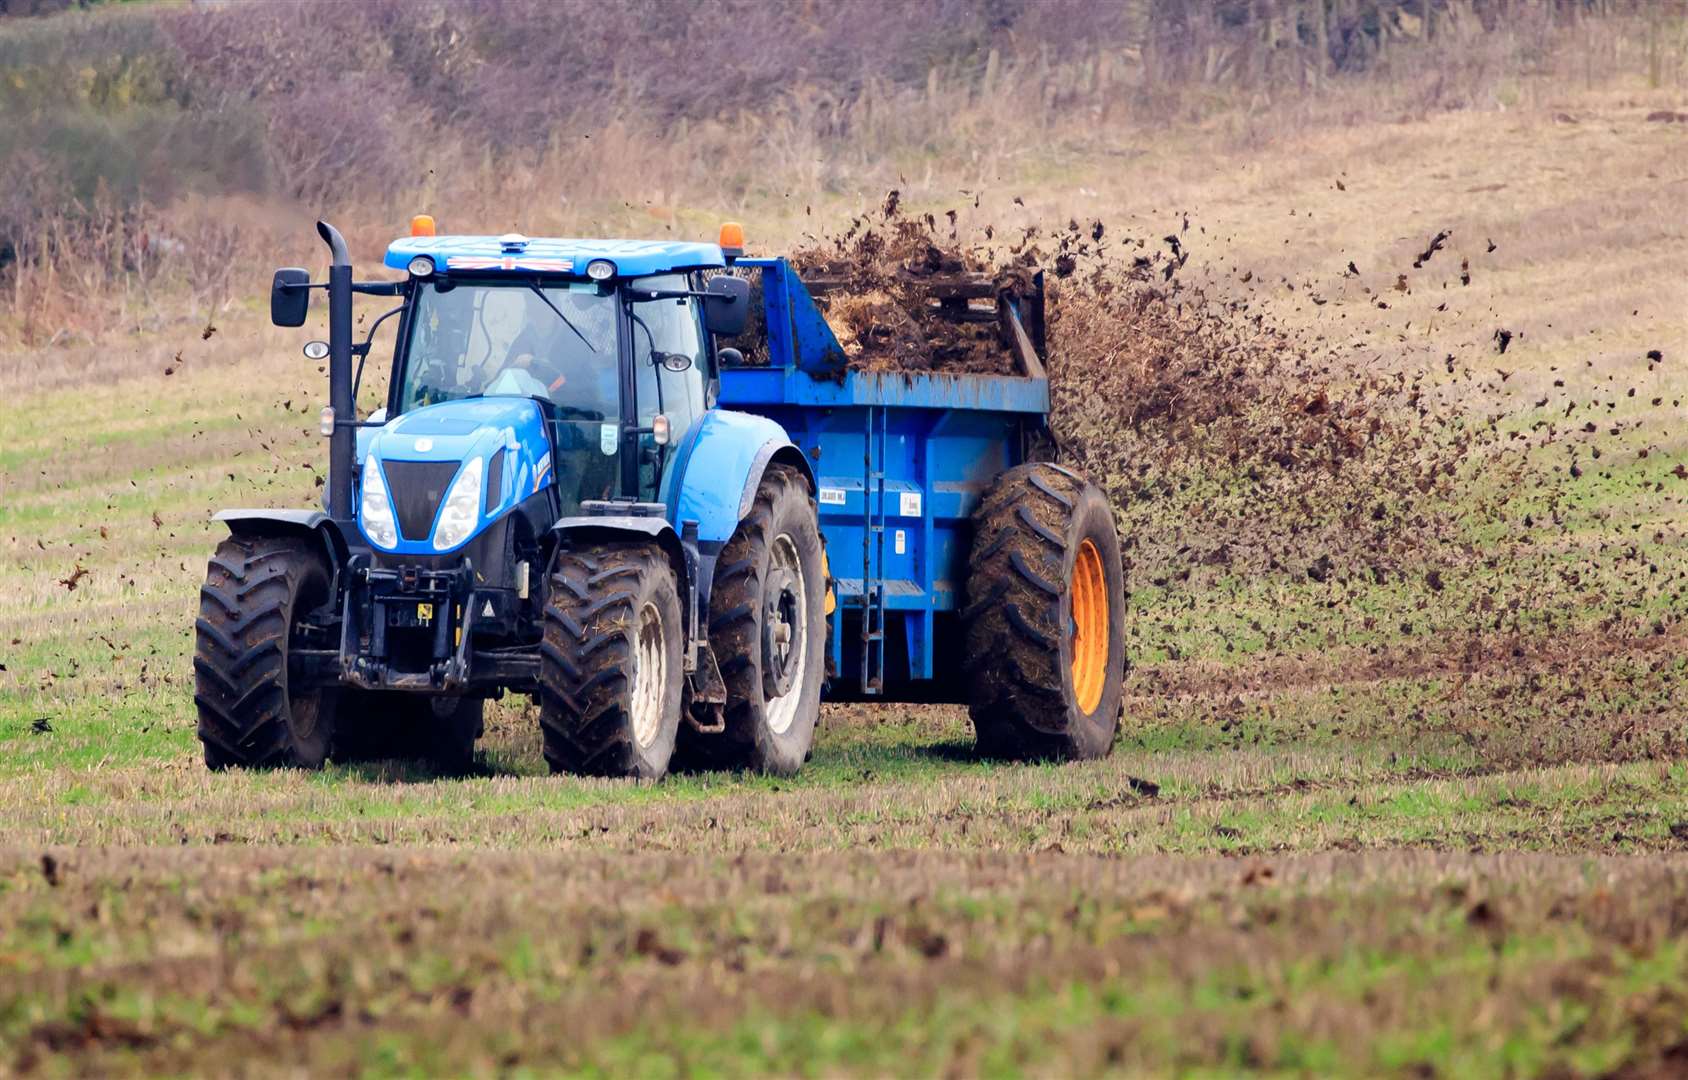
point(372, 388)
point(667, 335)
point(670, 358)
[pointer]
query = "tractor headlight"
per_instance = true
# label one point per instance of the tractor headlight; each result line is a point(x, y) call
point(600, 269)
point(376, 511)
point(421, 266)
point(461, 509)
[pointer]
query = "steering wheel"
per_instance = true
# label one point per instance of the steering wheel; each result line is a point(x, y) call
point(433, 379)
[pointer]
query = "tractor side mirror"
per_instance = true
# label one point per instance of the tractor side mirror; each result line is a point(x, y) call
point(290, 299)
point(726, 305)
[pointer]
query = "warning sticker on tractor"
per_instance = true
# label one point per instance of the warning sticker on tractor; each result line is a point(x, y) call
point(607, 435)
point(901, 542)
point(908, 504)
point(424, 612)
point(832, 496)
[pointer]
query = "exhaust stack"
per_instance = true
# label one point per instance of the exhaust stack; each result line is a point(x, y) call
point(341, 446)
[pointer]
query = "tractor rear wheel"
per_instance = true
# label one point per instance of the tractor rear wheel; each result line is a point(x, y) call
point(610, 669)
point(371, 725)
point(1045, 618)
point(767, 629)
point(258, 593)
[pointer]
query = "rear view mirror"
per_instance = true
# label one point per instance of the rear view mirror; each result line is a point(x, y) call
point(726, 305)
point(290, 300)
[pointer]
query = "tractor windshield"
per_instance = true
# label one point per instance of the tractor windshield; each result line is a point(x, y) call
point(555, 342)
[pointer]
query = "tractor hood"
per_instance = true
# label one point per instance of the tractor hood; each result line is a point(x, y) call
point(433, 479)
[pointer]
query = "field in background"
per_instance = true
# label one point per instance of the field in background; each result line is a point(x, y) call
point(1354, 823)
point(157, 151)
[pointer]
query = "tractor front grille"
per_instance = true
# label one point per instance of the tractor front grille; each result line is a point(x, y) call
point(417, 488)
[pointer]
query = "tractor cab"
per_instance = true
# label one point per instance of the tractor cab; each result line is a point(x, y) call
point(608, 340)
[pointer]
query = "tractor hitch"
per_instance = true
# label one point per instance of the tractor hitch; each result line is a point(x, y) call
point(412, 628)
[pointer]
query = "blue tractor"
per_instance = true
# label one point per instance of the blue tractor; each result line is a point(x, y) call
point(581, 490)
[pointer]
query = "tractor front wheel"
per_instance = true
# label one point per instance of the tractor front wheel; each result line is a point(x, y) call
point(1045, 618)
point(254, 607)
point(611, 663)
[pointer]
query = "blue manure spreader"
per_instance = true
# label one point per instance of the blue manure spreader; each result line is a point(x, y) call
point(579, 489)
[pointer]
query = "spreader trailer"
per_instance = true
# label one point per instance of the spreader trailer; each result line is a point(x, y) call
point(578, 490)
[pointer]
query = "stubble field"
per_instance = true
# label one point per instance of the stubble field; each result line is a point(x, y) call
point(1422, 818)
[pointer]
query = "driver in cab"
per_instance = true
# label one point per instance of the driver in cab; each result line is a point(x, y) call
point(532, 352)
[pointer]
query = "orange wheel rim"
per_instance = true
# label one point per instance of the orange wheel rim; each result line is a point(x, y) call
point(1089, 627)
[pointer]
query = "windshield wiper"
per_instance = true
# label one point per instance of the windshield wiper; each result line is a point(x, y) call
point(537, 291)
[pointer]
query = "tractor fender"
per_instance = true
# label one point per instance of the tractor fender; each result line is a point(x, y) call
point(623, 527)
point(288, 522)
point(781, 451)
point(719, 466)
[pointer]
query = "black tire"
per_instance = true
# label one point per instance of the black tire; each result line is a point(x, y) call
point(612, 616)
point(1041, 534)
point(769, 571)
point(372, 725)
point(256, 591)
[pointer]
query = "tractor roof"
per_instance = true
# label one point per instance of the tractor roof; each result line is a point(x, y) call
point(632, 258)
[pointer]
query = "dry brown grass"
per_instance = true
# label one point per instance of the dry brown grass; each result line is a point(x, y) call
point(811, 112)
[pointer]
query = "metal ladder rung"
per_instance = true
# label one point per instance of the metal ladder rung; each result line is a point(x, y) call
point(873, 553)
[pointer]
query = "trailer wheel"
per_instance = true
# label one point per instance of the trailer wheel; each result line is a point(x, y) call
point(767, 628)
point(372, 725)
point(258, 592)
point(610, 669)
point(1045, 618)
